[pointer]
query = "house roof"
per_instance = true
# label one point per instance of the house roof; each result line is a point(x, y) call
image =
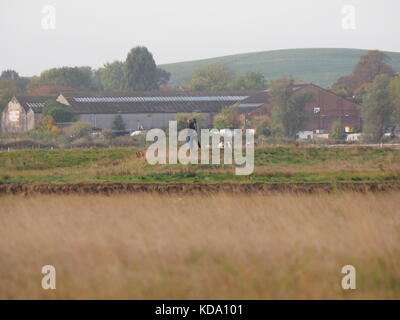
point(52, 91)
point(34, 102)
point(145, 102)
point(154, 102)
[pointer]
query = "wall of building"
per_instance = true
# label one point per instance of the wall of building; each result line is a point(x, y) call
point(148, 121)
point(13, 118)
point(332, 108)
point(30, 120)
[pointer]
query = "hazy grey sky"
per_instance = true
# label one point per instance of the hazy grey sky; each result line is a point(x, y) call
point(91, 32)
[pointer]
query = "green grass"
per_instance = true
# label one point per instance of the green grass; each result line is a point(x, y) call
point(202, 178)
point(50, 159)
point(272, 165)
point(320, 66)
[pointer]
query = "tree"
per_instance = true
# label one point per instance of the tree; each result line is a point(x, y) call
point(111, 76)
point(249, 81)
point(262, 124)
point(118, 123)
point(58, 111)
point(162, 76)
point(377, 109)
point(394, 88)
point(8, 89)
point(140, 70)
point(9, 74)
point(211, 77)
point(228, 118)
point(289, 111)
point(220, 122)
point(76, 77)
point(337, 131)
point(370, 65)
point(47, 125)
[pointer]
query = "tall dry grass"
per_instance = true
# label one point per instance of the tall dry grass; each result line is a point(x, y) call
point(215, 247)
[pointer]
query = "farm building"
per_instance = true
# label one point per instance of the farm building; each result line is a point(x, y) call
point(326, 108)
point(154, 110)
point(147, 110)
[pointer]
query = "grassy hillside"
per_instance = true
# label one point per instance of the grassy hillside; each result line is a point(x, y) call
point(320, 66)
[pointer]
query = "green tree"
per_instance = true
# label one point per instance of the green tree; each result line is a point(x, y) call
point(395, 98)
point(8, 89)
point(337, 131)
point(118, 123)
point(228, 118)
point(58, 111)
point(211, 77)
point(220, 122)
point(162, 77)
point(140, 70)
point(377, 109)
point(76, 77)
point(111, 76)
point(9, 74)
point(289, 111)
point(249, 81)
point(262, 125)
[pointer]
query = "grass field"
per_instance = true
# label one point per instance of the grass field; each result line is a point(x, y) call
point(213, 247)
point(272, 165)
point(319, 66)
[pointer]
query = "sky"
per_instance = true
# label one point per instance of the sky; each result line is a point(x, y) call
point(41, 34)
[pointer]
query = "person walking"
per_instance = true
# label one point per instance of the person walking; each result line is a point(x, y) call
point(197, 129)
point(189, 138)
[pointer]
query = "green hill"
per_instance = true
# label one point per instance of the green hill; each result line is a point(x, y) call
point(320, 66)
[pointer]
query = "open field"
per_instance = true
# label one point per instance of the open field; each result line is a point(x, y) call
point(214, 247)
point(273, 165)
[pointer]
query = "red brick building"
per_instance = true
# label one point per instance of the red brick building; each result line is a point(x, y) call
point(327, 108)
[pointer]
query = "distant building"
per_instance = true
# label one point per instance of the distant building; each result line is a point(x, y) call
point(327, 108)
point(21, 114)
point(47, 91)
point(147, 110)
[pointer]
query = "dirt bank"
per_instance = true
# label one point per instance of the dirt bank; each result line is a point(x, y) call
point(113, 188)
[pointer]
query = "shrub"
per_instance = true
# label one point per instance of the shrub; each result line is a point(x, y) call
point(337, 131)
point(262, 124)
point(118, 123)
point(220, 122)
point(107, 133)
point(78, 130)
point(58, 111)
point(47, 124)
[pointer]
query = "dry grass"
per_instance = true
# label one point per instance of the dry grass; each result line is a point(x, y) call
point(216, 247)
